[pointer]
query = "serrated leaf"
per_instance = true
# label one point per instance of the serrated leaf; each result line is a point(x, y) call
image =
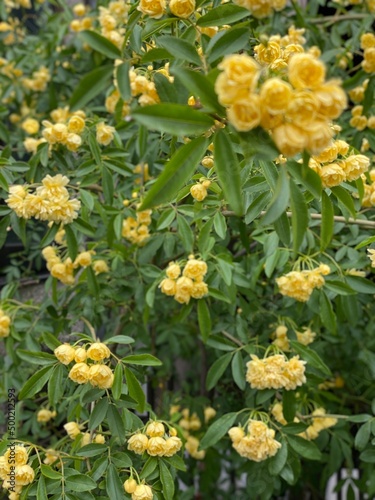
point(228, 171)
point(217, 430)
point(176, 172)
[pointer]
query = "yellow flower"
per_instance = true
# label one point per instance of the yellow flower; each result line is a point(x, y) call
point(275, 95)
point(152, 8)
point(19, 455)
point(289, 139)
point(236, 434)
point(142, 492)
point(65, 353)
point(83, 259)
point(239, 78)
point(80, 355)
point(198, 192)
point(79, 9)
point(138, 443)
point(319, 136)
point(173, 271)
point(302, 108)
point(73, 142)
point(332, 99)
point(305, 71)
point(209, 413)
point(172, 445)
point(130, 485)
point(200, 289)
point(104, 133)
point(277, 412)
point(24, 475)
point(72, 429)
point(156, 446)
point(79, 373)
point(245, 113)
point(168, 286)
point(184, 285)
point(267, 54)
point(192, 445)
point(99, 439)
point(51, 457)
point(155, 429)
point(332, 175)
point(31, 126)
point(194, 269)
point(294, 373)
point(45, 415)
point(258, 8)
point(182, 8)
point(367, 40)
point(4, 324)
point(354, 166)
point(306, 337)
point(100, 266)
point(259, 444)
point(101, 376)
point(98, 351)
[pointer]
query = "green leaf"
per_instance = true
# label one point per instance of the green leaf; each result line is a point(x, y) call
point(213, 292)
point(185, 233)
point(166, 219)
point(165, 89)
point(79, 482)
point(300, 216)
point(108, 187)
point(135, 390)
point(117, 381)
point(3, 182)
point(36, 358)
point(115, 423)
point(100, 44)
point(279, 200)
point(345, 198)
point(83, 227)
point(220, 225)
point(95, 148)
point(41, 489)
point(228, 170)
point(98, 413)
point(368, 456)
point(282, 228)
point(56, 384)
point(289, 405)
point(238, 370)
point(50, 340)
point(71, 241)
point(35, 383)
point(217, 370)
point(277, 462)
point(178, 48)
point(92, 282)
point(123, 81)
point(90, 86)
point(361, 285)
point(311, 357)
point(175, 119)
point(326, 230)
point(199, 86)
point(338, 287)
point(50, 234)
point(92, 450)
point(217, 430)
point(326, 312)
point(149, 467)
point(120, 339)
point(204, 319)
point(142, 359)
point(176, 172)
point(363, 436)
point(166, 481)
point(227, 42)
point(224, 14)
point(47, 471)
point(257, 205)
point(307, 449)
point(306, 176)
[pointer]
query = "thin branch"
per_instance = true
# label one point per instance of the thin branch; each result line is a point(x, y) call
point(233, 339)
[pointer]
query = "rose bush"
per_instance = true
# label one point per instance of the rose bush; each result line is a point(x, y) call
point(193, 184)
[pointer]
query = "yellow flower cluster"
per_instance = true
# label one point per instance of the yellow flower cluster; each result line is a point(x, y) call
point(182, 8)
point(136, 230)
point(369, 195)
point(97, 374)
point(73, 430)
point(319, 423)
point(155, 442)
point(258, 444)
point(66, 133)
point(297, 112)
point(14, 471)
point(104, 133)
point(13, 29)
point(38, 81)
point(262, 8)
point(282, 341)
point(360, 121)
point(144, 88)
point(50, 201)
point(4, 324)
point(334, 166)
point(189, 285)
point(199, 190)
point(43, 416)
point(300, 284)
point(51, 456)
point(278, 414)
point(112, 20)
point(275, 372)
point(357, 94)
point(371, 255)
point(368, 47)
point(138, 491)
point(85, 23)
